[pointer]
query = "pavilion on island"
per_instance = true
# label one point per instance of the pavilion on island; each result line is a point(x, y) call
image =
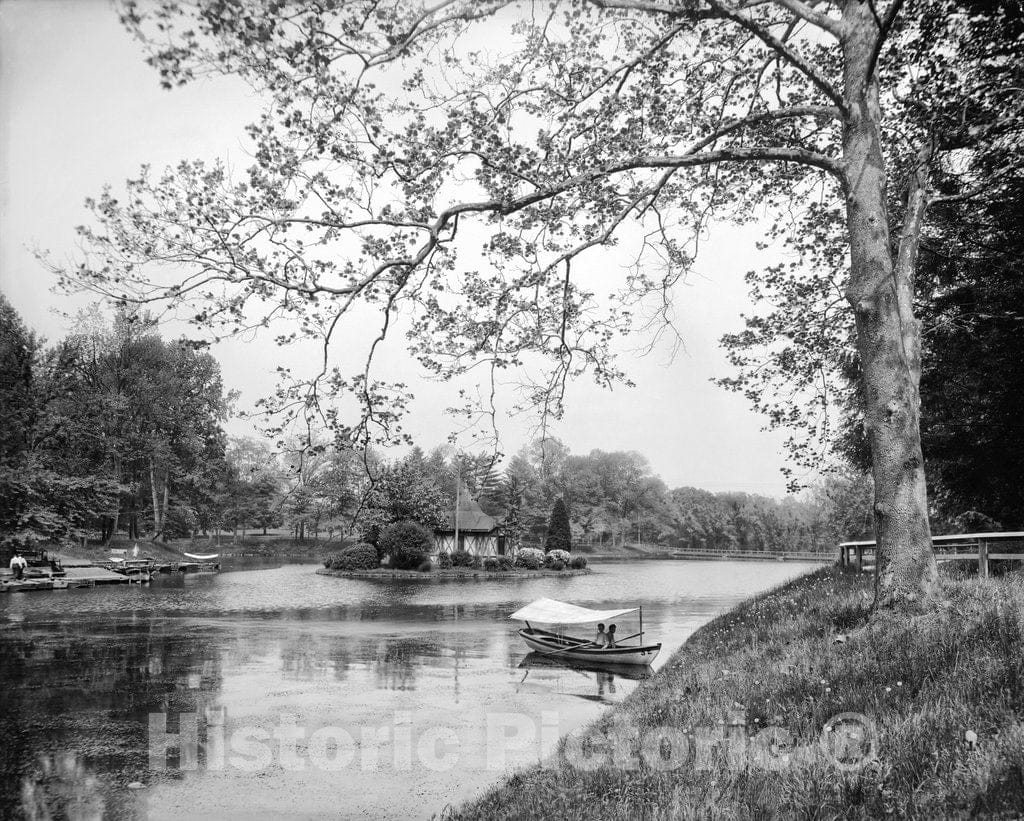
point(478, 533)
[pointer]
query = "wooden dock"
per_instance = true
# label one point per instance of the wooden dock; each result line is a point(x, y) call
point(75, 576)
point(979, 547)
point(83, 573)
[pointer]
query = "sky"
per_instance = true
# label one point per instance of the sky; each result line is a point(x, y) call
point(79, 109)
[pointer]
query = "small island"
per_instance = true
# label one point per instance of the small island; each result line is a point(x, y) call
point(444, 574)
point(403, 553)
point(464, 543)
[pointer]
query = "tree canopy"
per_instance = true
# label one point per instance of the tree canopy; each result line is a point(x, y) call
point(111, 426)
point(390, 131)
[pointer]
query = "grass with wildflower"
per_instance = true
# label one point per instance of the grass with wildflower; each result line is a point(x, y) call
point(945, 692)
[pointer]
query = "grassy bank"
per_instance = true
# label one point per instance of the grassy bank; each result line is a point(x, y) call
point(790, 660)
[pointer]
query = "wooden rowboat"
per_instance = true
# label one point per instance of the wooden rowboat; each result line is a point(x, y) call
point(573, 648)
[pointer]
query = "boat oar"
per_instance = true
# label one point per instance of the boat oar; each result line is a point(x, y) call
point(563, 649)
point(625, 639)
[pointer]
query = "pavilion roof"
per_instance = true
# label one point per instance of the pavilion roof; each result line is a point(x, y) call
point(471, 515)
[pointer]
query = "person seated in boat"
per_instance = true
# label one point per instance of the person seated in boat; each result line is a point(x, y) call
point(601, 639)
point(611, 636)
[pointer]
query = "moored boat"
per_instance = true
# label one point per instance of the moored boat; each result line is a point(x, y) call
point(137, 570)
point(573, 648)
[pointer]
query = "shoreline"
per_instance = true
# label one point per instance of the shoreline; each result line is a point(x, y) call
point(746, 706)
point(450, 573)
point(713, 557)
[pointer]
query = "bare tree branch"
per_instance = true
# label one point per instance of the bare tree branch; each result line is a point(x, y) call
point(883, 33)
point(814, 17)
point(774, 43)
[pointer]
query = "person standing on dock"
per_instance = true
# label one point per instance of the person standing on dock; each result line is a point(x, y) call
point(18, 565)
point(135, 551)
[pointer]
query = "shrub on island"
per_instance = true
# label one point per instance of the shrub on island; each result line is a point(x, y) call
point(578, 562)
point(463, 558)
point(444, 560)
point(553, 557)
point(360, 556)
point(530, 558)
point(407, 543)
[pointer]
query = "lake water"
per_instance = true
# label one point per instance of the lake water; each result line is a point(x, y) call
point(303, 696)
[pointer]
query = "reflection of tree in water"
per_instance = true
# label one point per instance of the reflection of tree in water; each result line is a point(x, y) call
point(303, 657)
point(74, 707)
point(398, 659)
point(62, 787)
point(396, 662)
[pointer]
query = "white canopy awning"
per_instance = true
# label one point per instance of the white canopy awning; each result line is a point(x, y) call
point(549, 611)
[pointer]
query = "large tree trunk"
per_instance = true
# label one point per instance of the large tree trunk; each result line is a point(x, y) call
point(116, 464)
point(163, 504)
point(888, 339)
point(156, 502)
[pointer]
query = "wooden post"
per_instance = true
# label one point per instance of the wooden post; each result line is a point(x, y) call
point(860, 557)
point(982, 558)
point(458, 485)
point(843, 552)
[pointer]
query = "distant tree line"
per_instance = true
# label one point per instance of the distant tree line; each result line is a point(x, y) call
point(116, 431)
point(612, 499)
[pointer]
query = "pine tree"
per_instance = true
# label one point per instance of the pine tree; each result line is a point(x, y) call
point(559, 533)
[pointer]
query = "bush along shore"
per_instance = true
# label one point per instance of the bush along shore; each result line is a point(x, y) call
point(796, 705)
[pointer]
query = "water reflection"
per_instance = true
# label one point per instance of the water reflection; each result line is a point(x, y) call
point(74, 707)
point(81, 672)
point(606, 677)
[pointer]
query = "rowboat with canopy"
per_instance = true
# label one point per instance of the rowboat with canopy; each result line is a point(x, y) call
point(572, 648)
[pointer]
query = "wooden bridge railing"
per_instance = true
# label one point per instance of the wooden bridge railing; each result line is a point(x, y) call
point(978, 546)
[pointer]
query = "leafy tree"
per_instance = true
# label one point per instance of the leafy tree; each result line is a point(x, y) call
point(596, 113)
point(407, 543)
point(970, 384)
point(145, 413)
point(966, 287)
point(844, 499)
point(19, 350)
point(47, 493)
point(559, 532)
point(402, 492)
